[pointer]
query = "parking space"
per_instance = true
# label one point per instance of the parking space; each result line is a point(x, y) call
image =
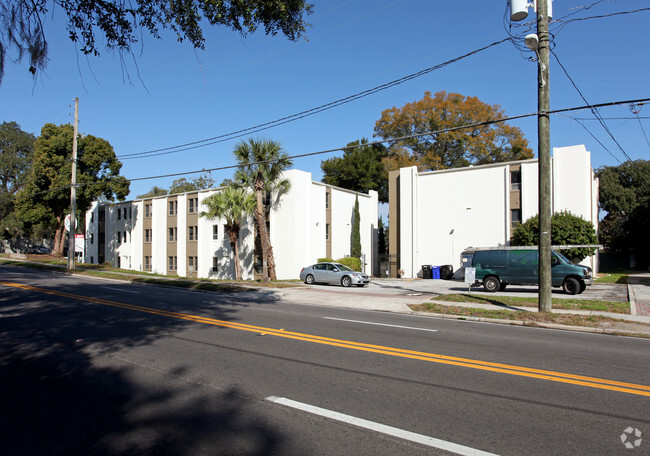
point(434, 287)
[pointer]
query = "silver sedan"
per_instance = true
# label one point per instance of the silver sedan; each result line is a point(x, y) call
point(335, 273)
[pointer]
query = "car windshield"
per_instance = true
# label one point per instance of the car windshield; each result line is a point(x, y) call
point(343, 267)
point(562, 257)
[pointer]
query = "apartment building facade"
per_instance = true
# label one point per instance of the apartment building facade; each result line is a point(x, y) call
point(167, 234)
point(434, 216)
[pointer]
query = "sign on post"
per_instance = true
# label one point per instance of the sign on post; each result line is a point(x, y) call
point(470, 278)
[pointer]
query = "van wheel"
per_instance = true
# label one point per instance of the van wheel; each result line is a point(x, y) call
point(491, 284)
point(571, 286)
point(583, 287)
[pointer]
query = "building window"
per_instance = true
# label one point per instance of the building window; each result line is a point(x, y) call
point(173, 207)
point(92, 259)
point(515, 180)
point(92, 217)
point(125, 236)
point(92, 239)
point(147, 235)
point(192, 233)
point(192, 264)
point(515, 217)
point(147, 210)
point(215, 232)
point(119, 213)
point(130, 213)
point(327, 200)
point(119, 237)
point(172, 263)
point(215, 264)
point(101, 215)
point(327, 231)
point(173, 234)
point(192, 205)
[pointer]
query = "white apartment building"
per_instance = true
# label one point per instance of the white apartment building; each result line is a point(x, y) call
point(435, 215)
point(167, 235)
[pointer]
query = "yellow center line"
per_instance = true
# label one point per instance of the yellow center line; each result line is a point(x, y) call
point(542, 374)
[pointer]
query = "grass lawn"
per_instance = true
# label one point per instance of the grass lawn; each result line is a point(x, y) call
point(529, 318)
point(557, 303)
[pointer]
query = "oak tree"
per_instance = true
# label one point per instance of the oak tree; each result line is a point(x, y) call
point(449, 130)
point(120, 24)
point(46, 196)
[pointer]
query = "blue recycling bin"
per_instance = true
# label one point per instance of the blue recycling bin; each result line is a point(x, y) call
point(435, 272)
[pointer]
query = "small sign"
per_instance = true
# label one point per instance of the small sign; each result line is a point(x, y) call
point(470, 275)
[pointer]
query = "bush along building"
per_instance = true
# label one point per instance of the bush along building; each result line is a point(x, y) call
point(167, 234)
point(435, 215)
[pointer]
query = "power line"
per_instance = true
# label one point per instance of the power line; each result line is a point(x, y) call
point(303, 114)
point(593, 110)
point(391, 140)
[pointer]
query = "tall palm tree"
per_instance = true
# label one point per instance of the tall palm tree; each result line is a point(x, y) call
point(234, 205)
point(262, 162)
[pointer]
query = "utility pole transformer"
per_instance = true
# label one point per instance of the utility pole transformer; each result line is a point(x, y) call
point(73, 190)
point(544, 157)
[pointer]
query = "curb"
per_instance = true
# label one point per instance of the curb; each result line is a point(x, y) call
point(532, 324)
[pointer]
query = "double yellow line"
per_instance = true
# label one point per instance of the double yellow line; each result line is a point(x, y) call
point(592, 382)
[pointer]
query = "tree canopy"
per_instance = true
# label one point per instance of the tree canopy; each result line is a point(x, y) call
point(16, 149)
point(46, 196)
point(624, 193)
point(359, 169)
point(566, 229)
point(441, 142)
point(120, 24)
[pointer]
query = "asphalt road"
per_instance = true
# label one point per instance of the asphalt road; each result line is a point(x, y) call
point(101, 367)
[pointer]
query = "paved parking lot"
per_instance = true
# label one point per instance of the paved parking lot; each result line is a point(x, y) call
point(433, 287)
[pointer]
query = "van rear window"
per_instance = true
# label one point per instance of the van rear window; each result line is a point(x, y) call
point(490, 258)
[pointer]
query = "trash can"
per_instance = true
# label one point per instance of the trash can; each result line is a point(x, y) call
point(426, 271)
point(435, 272)
point(446, 272)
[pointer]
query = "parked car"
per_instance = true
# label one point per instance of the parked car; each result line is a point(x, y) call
point(38, 249)
point(496, 268)
point(334, 273)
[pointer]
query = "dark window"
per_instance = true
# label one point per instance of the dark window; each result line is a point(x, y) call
point(490, 258)
point(515, 180)
point(215, 264)
point(215, 231)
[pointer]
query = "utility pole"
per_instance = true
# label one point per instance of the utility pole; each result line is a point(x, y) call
point(73, 190)
point(544, 158)
point(539, 43)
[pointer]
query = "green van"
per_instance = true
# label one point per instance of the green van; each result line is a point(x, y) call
point(499, 267)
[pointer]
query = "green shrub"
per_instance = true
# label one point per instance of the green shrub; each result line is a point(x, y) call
point(325, 260)
point(351, 262)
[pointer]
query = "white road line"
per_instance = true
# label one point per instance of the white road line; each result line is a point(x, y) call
point(381, 428)
point(381, 324)
point(121, 289)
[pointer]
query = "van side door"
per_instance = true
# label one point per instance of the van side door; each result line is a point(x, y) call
point(523, 266)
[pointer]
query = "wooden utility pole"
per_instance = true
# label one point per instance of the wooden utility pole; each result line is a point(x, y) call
point(73, 190)
point(544, 158)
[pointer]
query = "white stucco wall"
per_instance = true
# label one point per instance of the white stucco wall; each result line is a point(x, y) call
point(444, 212)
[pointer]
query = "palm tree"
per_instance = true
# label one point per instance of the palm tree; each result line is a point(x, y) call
point(262, 162)
point(234, 205)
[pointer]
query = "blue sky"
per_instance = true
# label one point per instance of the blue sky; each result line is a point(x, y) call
point(176, 95)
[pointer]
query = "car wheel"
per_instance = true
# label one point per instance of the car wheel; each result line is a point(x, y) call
point(309, 279)
point(583, 287)
point(346, 281)
point(491, 284)
point(571, 286)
